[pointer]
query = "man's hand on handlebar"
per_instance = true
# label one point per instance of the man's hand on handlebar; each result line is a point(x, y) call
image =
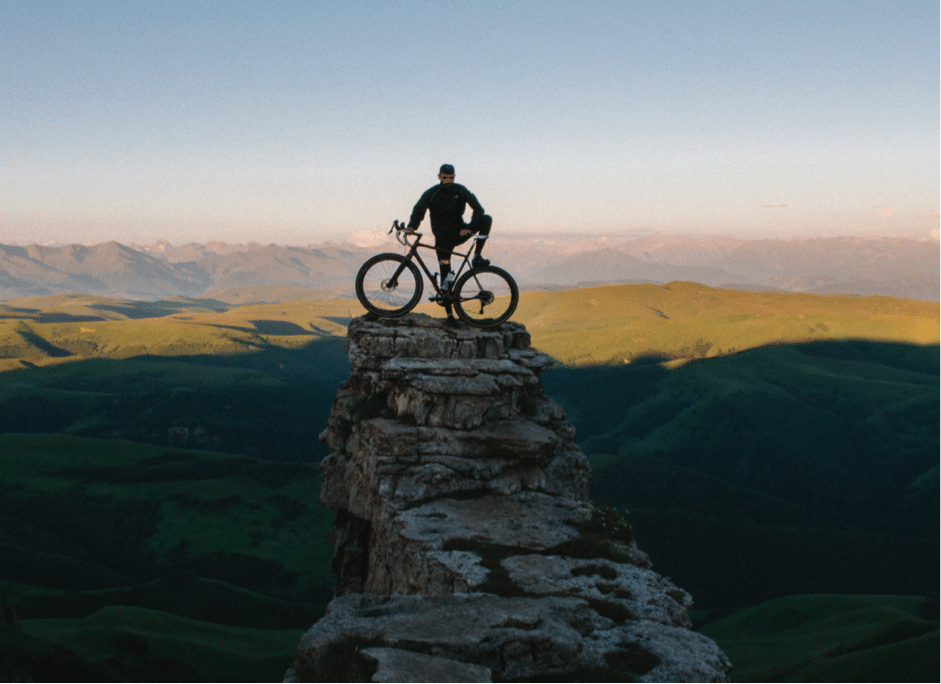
point(402, 232)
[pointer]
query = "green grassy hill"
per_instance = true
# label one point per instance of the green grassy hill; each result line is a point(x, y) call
point(623, 323)
point(826, 638)
point(256, 380)
point(765, 444)
point(117, 550)
point(85, 521)
point(588, 326)
point(843, 427)
point(732, 546)
point(270, 403)
point(226, 374)
point(792, 469)
point(62, 328)
point(126, 644)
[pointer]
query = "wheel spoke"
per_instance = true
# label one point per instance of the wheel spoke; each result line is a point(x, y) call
point(389, 285)
point(486, 297)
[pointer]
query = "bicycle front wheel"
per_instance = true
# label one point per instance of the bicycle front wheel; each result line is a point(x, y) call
point(486, 296)
point(389, 285)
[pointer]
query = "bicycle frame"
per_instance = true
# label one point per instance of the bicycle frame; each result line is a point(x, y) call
point(413, 254)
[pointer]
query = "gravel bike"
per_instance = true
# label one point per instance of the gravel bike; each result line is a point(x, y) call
point(391, 284)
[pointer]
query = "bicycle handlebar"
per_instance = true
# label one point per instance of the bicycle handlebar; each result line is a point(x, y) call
point(400, 228)
point(402, 233)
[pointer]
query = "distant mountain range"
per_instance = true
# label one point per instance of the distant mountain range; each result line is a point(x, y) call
point(896, 267)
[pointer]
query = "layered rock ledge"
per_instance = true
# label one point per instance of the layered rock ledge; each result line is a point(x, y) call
point(465, 543)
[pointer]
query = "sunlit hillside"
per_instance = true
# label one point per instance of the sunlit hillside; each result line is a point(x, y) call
point(60, 328)
point(619, 323)
point(600, 325)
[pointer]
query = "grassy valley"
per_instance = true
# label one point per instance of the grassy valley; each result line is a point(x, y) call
point(125, 643)
point(106, 543)
point(777, 453)
point(827, 638)
point(128, 539)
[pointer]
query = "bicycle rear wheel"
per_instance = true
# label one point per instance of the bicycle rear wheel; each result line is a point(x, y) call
point(389, 285)
point(486, 296)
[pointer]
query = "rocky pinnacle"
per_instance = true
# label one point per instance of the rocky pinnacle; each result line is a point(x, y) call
point(466, 548)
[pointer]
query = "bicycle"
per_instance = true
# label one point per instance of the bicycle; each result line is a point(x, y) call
point(391, 285)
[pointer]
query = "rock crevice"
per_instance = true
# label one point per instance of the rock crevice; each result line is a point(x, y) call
point(464, 533)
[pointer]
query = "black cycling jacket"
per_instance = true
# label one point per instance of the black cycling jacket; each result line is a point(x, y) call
point(446, 204)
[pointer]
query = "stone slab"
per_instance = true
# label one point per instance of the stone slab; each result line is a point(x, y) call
point(513, 637)
point(528, 520)
point(642, 591)
point(396, 665)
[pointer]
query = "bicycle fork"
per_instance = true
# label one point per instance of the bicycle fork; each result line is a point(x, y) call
point(393, 281)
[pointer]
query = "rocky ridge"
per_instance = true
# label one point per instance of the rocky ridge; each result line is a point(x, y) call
point(466, 547)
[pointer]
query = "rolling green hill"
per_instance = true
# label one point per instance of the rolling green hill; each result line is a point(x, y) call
point(125, 553)
point(89, 523)
point(270, 403)
point(841, 427)
point(620, 324)
point(62, 328)
point(826, 638)
point(741, 472)
point(588, 326)
point(127, 644)
point(257, 379)
point(765, 444)
point(732, 546)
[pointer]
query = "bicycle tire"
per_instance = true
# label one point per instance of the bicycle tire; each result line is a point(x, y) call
point(486, 297)
point(373, 287)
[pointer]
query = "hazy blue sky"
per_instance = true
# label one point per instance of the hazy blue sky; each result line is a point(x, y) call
point(298, 122)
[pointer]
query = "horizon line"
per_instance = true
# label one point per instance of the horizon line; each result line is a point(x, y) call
point(622, 236)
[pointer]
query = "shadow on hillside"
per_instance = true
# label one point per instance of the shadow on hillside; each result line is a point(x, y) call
point(43, 345)
point(785, 469)
point(38, 316)
point(130, 309)
point(164, 307)
point(270, 403)
point(103, 542)
point(274, 327)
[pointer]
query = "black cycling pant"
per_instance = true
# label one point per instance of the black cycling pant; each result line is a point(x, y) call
point(448, 239)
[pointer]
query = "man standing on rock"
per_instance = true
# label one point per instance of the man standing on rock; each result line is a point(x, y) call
point(446, 202)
